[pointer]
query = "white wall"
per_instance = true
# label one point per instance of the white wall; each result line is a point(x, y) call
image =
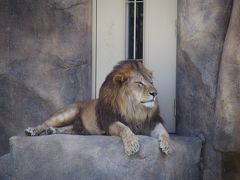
point(110, 38)
point(160, 53)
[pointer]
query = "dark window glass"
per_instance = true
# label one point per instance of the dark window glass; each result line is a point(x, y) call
point(130, 30)
point(139, 30)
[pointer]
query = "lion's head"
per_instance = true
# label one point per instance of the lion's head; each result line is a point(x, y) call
point(129, 91)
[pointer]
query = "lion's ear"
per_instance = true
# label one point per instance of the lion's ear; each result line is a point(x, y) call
point(120, 78)
point(150, 74)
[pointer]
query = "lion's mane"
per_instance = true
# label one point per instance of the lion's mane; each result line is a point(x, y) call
point(114, 103)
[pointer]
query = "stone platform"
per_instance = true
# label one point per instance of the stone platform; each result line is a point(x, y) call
point(99, 157)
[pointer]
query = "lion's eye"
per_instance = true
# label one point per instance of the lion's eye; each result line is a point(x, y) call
point(140, 84)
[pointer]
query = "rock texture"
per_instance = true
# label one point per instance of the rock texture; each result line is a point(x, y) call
point(231, 166)
point(5, 167)
point(45, 60)
point(228, 102)
point(18, 100)
point(101, 157)
point(202, 27)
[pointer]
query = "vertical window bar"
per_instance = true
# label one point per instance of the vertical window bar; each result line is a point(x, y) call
point(134, 29)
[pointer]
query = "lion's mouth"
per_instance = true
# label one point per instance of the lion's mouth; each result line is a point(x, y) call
point(149, 103)
point(151, 100)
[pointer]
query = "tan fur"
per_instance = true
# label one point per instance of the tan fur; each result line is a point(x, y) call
point(89, 118)
point(63, 117)
point(67, 115)
point(130, 140)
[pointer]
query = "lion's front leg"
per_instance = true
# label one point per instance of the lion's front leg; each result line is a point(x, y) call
point(130, 140)
point(162, 135)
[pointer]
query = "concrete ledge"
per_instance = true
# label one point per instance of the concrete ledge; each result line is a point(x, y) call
point(101, 157)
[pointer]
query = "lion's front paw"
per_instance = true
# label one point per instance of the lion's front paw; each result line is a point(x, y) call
point(131, 144)
point(30, 131)
point(164, 144)
point(50, 130)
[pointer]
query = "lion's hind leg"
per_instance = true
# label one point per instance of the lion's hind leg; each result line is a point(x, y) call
point(63, 117)
point(61, 130)
point(31, 131)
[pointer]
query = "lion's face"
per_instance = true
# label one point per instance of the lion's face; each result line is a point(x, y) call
point(129, 91)
point(136, 90)
point(141, 89)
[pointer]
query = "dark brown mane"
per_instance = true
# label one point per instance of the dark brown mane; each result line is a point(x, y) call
point(107, 108)
point(122, 66)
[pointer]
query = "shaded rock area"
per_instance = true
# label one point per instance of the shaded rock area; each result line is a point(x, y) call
point(45, 60)
point(231, 166)
point(18, 100)
point(202, 27)
point(5, 167)
point(100, 157)
point(227, 131)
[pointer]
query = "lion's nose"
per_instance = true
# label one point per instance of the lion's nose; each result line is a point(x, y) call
point(153, 93)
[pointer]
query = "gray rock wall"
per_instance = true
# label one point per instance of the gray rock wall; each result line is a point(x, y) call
point(101, 158)
point(45, 60)
point(5, 167)
point(227, 130)
point(202, 27)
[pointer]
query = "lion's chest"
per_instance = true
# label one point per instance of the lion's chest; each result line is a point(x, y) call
point(139, 124)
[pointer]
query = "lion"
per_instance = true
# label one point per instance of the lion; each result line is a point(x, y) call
point(127, 106)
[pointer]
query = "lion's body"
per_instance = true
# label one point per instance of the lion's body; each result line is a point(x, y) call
point(127, 104)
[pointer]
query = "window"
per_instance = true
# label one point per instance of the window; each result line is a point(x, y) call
point(135, 13)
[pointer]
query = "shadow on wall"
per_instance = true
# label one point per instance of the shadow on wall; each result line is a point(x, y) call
point(231, 166)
